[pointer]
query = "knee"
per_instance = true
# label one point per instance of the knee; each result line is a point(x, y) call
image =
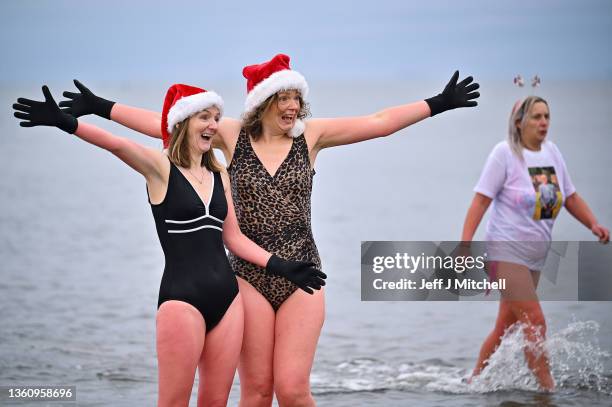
point(256, 394)
point(291, 393)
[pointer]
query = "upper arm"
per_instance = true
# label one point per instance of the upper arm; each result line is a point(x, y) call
point(147, 161)
point(226, 137)
point(230, 225)
point(571, 200)
point(348, 130)
point(141, 120)
point(482, 201)
point(325, 133)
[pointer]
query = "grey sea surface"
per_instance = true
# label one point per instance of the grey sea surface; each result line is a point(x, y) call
point(81, 262)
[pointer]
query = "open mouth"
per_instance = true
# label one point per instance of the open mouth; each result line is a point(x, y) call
point(206, 136)
point(287, 118)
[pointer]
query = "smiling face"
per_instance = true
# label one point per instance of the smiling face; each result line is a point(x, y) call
point(534, 126)
point(201, 127)
point(281, 115)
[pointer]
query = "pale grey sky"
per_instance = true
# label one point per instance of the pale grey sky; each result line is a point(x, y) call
point(124, 40)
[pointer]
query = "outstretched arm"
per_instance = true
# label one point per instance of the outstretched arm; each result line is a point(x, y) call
point(303, 274)
point(86, 102)
point(146, 161)
point(335, 132)
point(141, 120)
point(579, 209)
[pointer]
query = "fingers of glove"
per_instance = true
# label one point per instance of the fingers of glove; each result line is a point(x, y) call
point(469, 104)
point(308, 290)
point(453, 81)
point(67, 110)
point(321, 274)
point(318, 281)
point(48, 95)
point(306, 264)
point(473, 95)
point(66, 103)
point(315, 286)
point(465, 82)
point(22, 116)
point(26, 124)
point(70, 95)
point(80, 86)
point(23, 108)
point(472, 87)
point(28, 102)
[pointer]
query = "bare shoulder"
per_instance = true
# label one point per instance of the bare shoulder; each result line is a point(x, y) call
point(227, 134)
point(162, 163)
point(312, 133)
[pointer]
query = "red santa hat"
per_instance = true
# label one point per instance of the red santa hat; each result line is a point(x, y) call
point(182, 102)
point(268, 78)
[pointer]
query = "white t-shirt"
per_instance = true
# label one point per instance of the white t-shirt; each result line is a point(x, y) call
point(527, 194)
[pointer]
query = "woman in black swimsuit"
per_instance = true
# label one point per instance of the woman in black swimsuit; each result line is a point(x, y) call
point(200, 313)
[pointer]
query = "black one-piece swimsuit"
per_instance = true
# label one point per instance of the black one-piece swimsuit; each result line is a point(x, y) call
point(197, 270)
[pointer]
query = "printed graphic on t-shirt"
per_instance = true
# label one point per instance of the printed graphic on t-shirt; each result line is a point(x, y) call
point(548, 194)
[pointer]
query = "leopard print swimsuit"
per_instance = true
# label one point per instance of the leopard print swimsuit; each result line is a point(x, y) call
point(274, 212)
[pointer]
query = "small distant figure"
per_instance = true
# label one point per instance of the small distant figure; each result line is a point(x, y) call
point(535, 82)
point(518, 81)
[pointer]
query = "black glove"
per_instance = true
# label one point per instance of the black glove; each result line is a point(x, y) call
point(45, 113)
point(86, 102)
point(454, 95)
point(304, 274)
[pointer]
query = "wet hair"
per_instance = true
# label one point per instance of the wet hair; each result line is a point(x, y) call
point(252, 122)
point(520, 114)
point(178, 149)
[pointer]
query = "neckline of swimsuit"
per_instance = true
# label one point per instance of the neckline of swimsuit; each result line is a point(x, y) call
point(195, 191)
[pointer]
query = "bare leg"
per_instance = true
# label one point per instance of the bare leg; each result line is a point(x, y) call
point(520, 299)
point(255, 367)
point(298, 326)
point(505, 318)
point(220, 356)
point(181, 332)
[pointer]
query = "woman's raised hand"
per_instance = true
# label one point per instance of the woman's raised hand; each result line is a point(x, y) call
point(86, 102)
point(47, 113)
point(455, 95)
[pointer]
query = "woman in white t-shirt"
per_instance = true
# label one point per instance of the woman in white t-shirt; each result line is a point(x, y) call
point(526, 179)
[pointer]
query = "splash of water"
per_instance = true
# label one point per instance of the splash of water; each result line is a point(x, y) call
point(575, 358)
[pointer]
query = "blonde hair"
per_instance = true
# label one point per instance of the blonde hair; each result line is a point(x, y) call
point(252, 122)
point(520, 113)
point(178, 149)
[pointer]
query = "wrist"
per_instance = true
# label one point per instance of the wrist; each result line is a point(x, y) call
point(436, 104)
point(274, 265)
point(104, 107)
point(68, 123)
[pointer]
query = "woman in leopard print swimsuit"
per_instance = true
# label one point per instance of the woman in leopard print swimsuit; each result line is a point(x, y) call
point(272, 152)
point(281, 204)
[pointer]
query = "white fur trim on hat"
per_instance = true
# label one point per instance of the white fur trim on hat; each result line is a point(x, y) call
point(281, 80)
point(189, 105)
point(297, 129)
